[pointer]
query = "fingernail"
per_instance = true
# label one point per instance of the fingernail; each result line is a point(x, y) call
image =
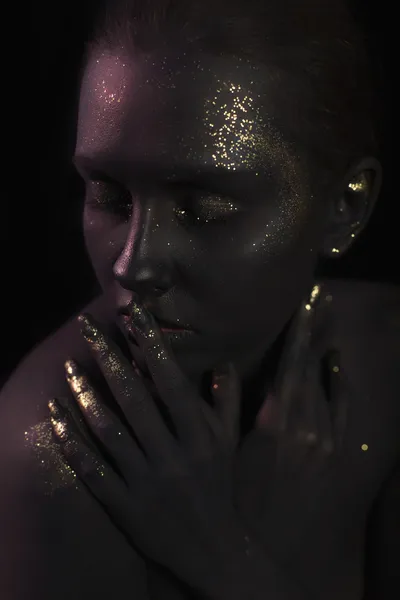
point(140, 317)
point(75, 377)
point(55, 409)
point(71, 369)
point(58, 421)
point(88, 328)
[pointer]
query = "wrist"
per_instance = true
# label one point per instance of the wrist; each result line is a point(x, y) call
point(247, 573)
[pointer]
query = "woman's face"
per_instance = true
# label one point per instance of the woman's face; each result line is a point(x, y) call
point(197, 200)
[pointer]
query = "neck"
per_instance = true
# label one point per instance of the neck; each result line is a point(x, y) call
point(259, 380)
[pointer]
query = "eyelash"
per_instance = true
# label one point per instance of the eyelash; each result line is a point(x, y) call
point(196, 206)
point(109, 197)
point(201, 207)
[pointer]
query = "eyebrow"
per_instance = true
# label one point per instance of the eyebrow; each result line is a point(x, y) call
point(90, 166)
point(220, 179)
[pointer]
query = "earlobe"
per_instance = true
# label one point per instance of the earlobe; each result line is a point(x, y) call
point(351, 209)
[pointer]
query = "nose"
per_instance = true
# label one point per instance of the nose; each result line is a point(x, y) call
point(146, 265)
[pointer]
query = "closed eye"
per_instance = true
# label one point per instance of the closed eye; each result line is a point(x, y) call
point(109, 197)
point(198, 205)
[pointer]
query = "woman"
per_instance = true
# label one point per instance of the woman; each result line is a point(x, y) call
point(226, 425)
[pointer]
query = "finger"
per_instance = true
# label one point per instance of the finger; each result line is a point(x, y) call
point(339, 394)
point(130, 393)
point(317, 407)
point(226, 394)
point(268, 417)
point(296, 353)
point(303, 416)
point(89, 467)
point(178, 393)
point(105, 426)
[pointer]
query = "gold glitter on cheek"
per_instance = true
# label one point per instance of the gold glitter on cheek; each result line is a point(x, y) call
point(49, 458)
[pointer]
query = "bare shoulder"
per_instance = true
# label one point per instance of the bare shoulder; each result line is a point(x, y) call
point(377, 302)
point(40, 376)
point(369, 314)
point(49, 523)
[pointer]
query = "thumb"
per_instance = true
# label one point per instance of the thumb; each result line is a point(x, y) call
point(226, 394)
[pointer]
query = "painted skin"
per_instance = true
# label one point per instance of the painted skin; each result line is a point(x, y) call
point(175, 264)
point(184, 142)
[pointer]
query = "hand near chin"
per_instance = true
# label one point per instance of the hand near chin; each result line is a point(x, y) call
point(162, 466)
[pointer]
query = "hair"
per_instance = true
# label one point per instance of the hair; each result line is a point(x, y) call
point(313, 46)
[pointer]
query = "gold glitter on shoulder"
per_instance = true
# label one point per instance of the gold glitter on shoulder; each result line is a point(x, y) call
point(57, 473)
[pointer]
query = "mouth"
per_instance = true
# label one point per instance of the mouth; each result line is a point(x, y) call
point(172, 331)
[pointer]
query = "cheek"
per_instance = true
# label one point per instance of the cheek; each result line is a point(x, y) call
point(104, 239)
point(263, 265)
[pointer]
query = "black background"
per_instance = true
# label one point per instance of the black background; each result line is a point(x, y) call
point(45, 273)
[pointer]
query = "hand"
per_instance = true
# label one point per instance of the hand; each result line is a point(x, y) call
point(160, 465)
point(294, 498)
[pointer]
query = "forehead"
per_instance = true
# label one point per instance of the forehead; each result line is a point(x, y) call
point(179, 107)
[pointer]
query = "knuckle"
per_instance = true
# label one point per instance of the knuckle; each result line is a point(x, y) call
point(90, 468)
point(109, 434)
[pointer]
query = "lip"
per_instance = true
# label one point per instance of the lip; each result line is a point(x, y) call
point(166, 328)
point(178, 338)
point(166, 325)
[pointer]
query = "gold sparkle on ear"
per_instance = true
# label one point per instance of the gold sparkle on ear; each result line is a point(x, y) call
point(335, 251)
point(359, 185)
point(364, 447)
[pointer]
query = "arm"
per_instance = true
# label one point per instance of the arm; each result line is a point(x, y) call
point(251, 574)
point(171, 492)
point(382, 568)
point(54, 540)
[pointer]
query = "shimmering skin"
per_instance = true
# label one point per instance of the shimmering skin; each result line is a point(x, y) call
point(57, 473)
point(84, 392)
point(198, 198)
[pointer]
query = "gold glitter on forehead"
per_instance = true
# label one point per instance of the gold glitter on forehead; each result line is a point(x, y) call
point(55, 470)
point(240, 134)
point(230, 126)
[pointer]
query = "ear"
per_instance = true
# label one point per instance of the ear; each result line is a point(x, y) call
point(352, 206)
